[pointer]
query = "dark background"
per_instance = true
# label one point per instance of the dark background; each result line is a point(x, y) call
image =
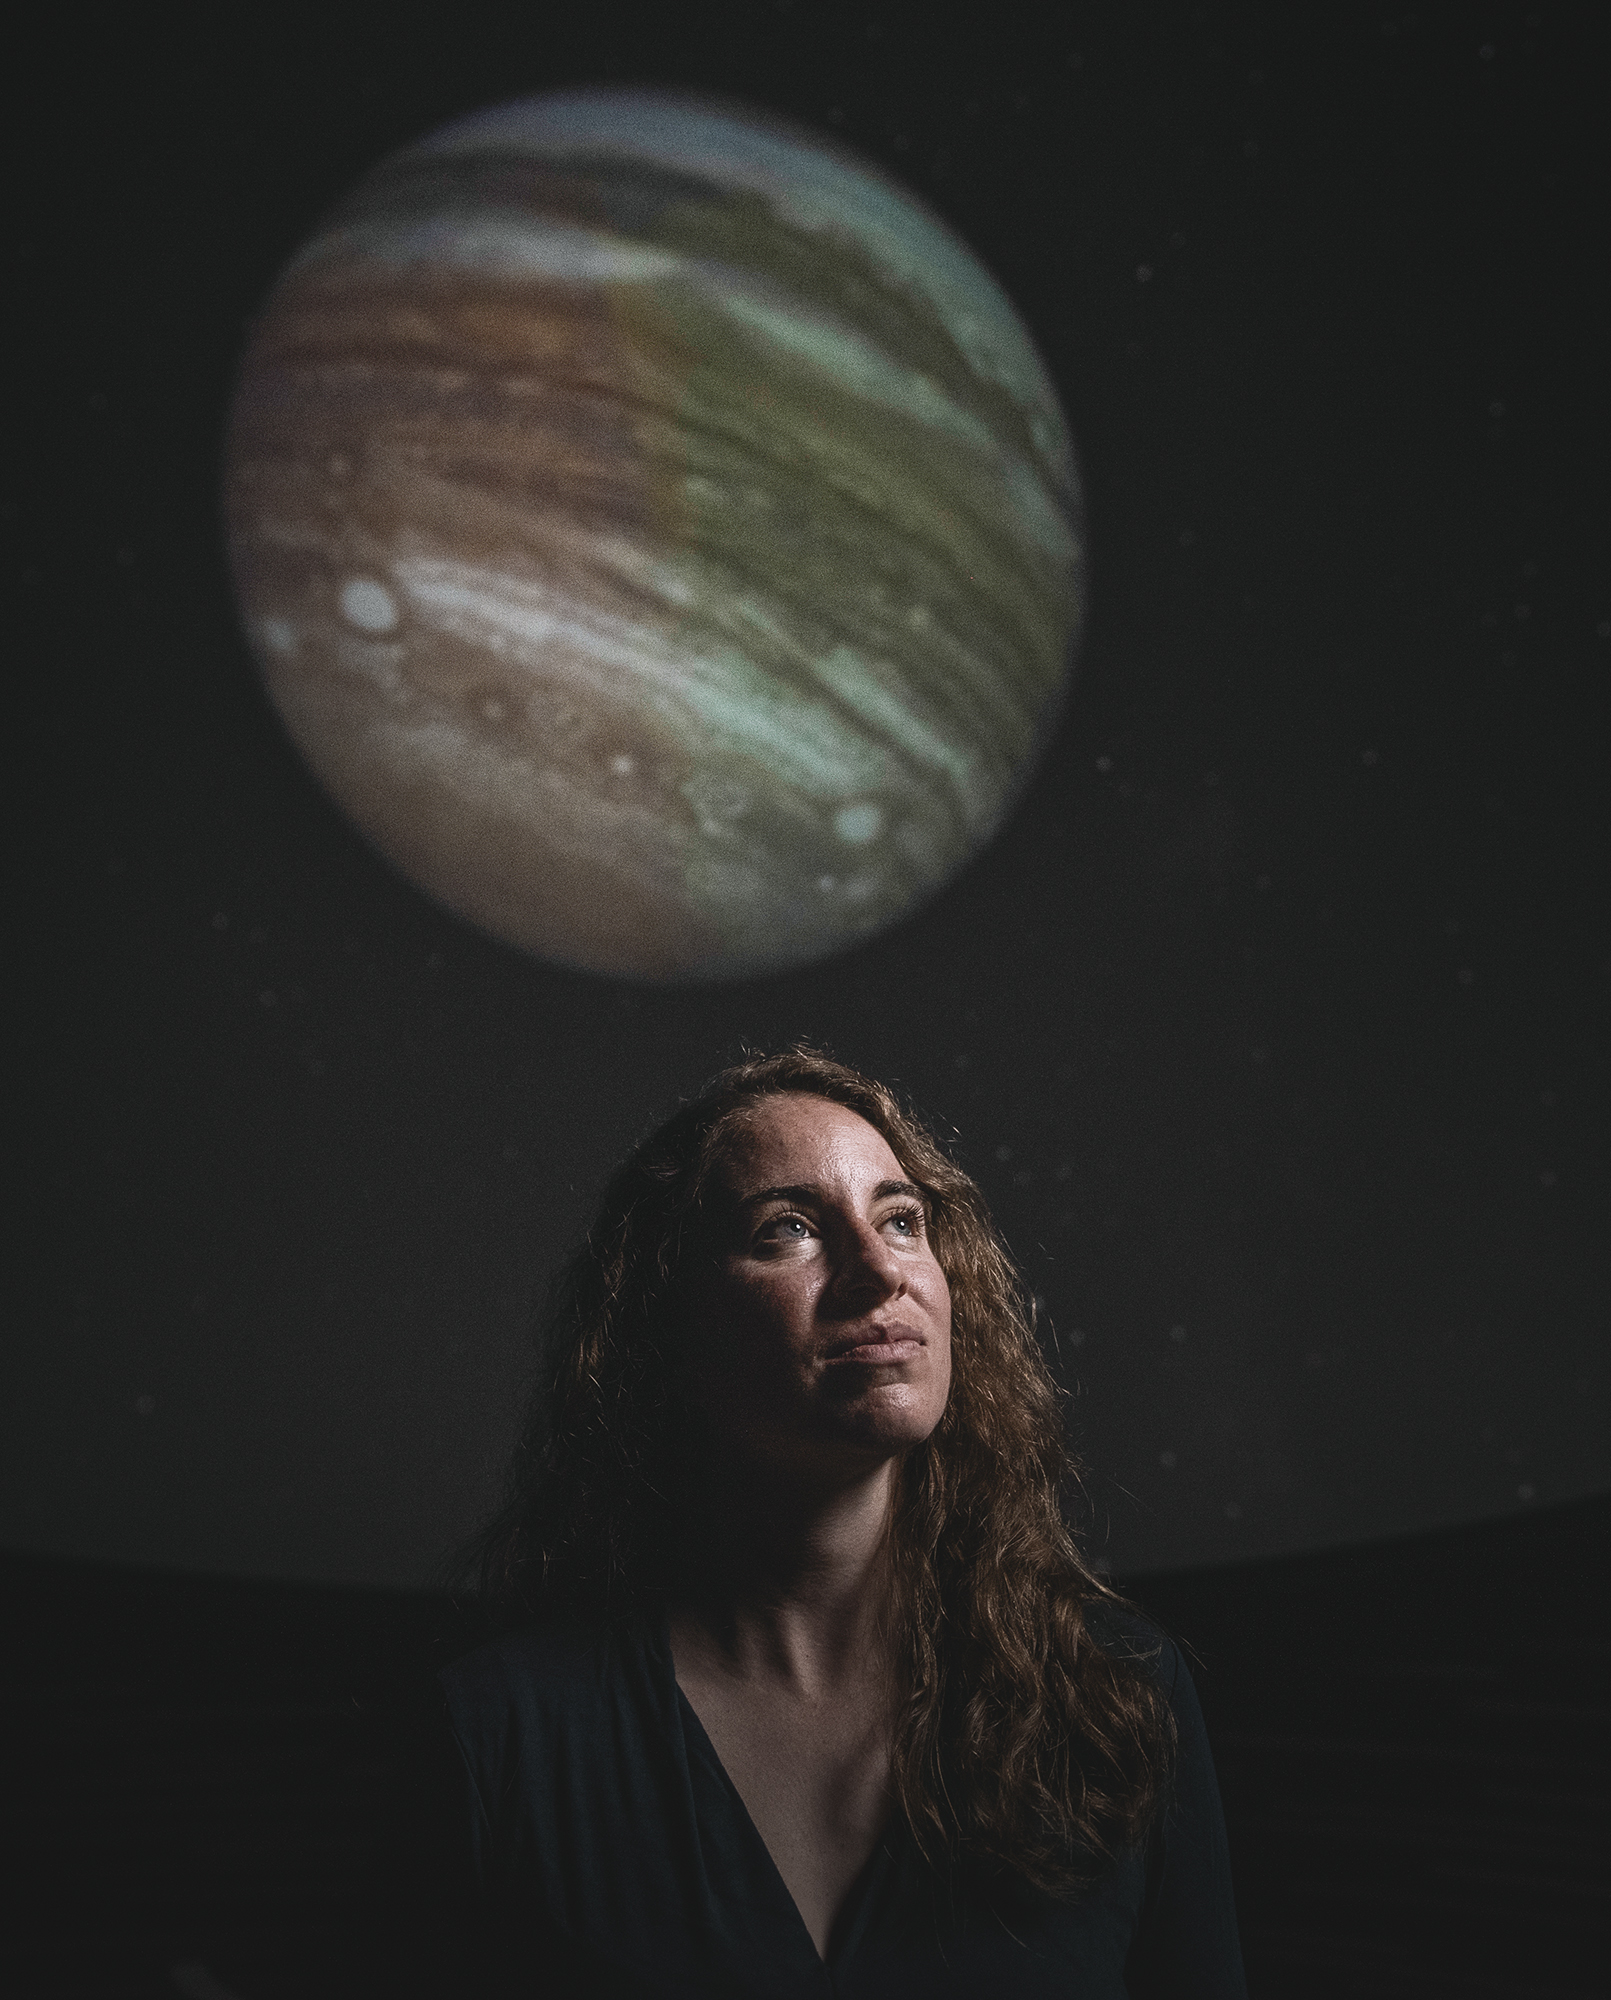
point(1277, 1015)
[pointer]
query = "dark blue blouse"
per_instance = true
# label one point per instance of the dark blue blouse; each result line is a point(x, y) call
point(608, 1852)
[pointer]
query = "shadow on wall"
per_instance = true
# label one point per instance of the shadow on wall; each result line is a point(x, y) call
point(1412, 1738)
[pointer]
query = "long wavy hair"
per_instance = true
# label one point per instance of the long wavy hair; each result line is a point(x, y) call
point(1027, 1734)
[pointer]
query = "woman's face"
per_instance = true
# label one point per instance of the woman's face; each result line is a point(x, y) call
point(823, 1340)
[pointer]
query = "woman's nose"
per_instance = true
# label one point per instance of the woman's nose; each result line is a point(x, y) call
point(869, 1266)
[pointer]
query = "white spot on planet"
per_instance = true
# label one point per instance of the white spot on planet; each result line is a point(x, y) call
point(368, 605)
point(622, 766)
point(858, 824)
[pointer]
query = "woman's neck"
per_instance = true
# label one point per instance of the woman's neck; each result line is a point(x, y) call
point(789, 1587)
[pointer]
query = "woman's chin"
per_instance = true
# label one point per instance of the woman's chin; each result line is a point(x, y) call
point(884, 1420)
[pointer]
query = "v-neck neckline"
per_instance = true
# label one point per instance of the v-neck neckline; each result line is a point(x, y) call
point(852, 1918)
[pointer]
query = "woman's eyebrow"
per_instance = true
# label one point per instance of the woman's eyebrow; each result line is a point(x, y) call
point(795, 1193)
point(799, 1193)
point(900, 1187)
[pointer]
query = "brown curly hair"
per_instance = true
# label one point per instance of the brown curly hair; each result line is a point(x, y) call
point(1029, 1735)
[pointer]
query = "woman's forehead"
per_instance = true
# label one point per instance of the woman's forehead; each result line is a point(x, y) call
point(799, 1138)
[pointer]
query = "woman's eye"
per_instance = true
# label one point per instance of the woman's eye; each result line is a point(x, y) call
point(907, 1221)
point(787, 1229)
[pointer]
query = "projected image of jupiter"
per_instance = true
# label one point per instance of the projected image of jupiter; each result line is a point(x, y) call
point(658, 532)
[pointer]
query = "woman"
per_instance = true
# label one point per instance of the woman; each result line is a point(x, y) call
point(807, 1688)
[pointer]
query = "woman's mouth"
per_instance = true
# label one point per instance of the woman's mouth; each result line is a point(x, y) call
point(877, 1349)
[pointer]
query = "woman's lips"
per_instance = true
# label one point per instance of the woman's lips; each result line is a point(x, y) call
point(882, 1350)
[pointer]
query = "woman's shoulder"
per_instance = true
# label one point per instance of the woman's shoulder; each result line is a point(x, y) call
point(562, 1643)
point(1127, 1633)
point(551, 1670)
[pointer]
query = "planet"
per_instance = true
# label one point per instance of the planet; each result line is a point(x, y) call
point(657, 530)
